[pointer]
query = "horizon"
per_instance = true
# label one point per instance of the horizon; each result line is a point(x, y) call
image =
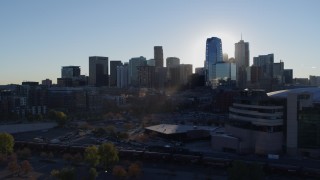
point(38, 38)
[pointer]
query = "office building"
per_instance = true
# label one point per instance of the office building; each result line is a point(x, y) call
point(302, 128)
point(199, 71)
point(185, 73)
point(255, 125)
point(151, 62)
point(266, 62)
point(172, 62)
point(288, 76)
point(314, 80)
point(70, 71)
point(226, 75)
point(133, 69)
point(225, 57)
point(242, 56)
point(113, 72)
point(158, 56)
point(278, 69)
point(146, 76)
point(46, 82)
point(213, 56)
point(98, 71)
point(122, 76)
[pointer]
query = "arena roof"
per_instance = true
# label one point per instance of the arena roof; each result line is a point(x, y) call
point(315, 91)
point(174, 129)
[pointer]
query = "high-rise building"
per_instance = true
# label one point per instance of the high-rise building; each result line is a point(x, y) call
point(185, 73)
point(158, 56)
point(151, 62)
point(146, 76)
point(113, 72)
point(172, 62)
point(288, 76)
point(242, 57)
point(70, 71)
point(122, 76)
point(213, 56)
point(199, 71)
point(266, 62)
point(46, 82)
point(278, 72)
point(225, 57)
point(98, 71)
point(133, 69)
point(226, 74)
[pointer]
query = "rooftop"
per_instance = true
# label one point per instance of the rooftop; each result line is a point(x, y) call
point(315, 91)
point(174, 129)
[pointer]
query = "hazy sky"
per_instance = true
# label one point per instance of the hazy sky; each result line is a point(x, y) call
point(37, 37)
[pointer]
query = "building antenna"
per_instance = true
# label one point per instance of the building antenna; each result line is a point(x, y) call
point(241, 36)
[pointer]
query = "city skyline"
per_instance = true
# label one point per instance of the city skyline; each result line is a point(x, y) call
point(38, 38)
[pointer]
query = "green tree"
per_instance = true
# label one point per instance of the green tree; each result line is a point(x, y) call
point(108, 155)
point(91, 155)
point(93, 173)
point(59, 116)
point(243, 171)
point(6, 143)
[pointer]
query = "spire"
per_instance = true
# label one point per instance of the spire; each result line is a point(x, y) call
point(241, 36)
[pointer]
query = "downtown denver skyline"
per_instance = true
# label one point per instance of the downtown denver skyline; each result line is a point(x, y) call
point(38, 37)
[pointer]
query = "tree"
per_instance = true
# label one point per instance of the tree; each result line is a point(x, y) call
point(13, 165)
point(26, 167)
point(119, 172)
point(111, 130)
point(6, 143)
point(91, 155)
point(134, 170)
point(58, 116)
point(108, 155)
point(93, 173)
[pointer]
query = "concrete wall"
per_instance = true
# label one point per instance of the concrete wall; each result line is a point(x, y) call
point(268, 143)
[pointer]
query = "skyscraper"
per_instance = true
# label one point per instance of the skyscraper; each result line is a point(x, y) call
point(133, 69)
point(242, 57)
point(113, 72)
point(122, 76)
point(158, 56)
point(98, 71)
point(172, 62)
point(70, 71)
point(213, 55)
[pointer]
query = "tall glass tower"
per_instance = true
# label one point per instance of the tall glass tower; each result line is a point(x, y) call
point(213, 56)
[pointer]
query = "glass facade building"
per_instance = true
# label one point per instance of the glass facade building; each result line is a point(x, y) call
point(213, 56)
point(226, 74)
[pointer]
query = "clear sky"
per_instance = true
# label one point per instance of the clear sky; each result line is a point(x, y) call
point(37, 37)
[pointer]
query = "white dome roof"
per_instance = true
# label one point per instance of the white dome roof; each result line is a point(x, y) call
point(315, 91)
